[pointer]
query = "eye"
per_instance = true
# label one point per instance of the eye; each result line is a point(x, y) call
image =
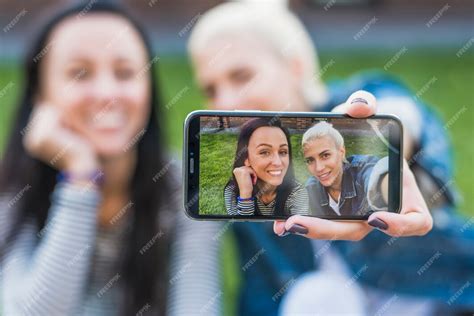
point(78, 73)
point(124, 73)
point(309, 160)
point(241, 75)
point(284, 153)
point(265, 153)
point(210, 91)
point(326, 155)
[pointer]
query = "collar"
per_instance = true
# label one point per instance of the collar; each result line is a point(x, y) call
point(348, 186)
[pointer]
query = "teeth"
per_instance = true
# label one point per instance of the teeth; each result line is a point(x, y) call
point(110, 120)
point(323, 176)
point(275, 173)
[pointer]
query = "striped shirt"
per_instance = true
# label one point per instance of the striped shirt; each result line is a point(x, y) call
point(70, 267)
point(296, 203)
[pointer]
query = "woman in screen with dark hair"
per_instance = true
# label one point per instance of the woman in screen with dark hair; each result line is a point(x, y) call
point(263, 180)
point(85, 227)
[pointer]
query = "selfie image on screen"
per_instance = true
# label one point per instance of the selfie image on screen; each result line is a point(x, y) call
point(293, 165)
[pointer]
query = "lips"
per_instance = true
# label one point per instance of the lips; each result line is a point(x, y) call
point(110, 120)
point(324, 176)
point(275, 173)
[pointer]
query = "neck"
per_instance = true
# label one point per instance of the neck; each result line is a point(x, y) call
point(118, 172)
point(267, 192)
point(335, 189)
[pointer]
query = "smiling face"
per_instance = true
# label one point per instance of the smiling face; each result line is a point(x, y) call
point(325, 161)
point(243, 73)
point(268, 155)
point(96, 74)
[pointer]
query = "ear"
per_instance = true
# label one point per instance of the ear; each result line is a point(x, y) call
point(247, 163)
point(343, 151)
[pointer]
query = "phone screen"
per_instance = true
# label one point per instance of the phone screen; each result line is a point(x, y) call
point(266, 167)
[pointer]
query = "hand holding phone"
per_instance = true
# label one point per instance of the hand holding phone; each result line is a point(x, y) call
point(204, 181)
point(414, 218)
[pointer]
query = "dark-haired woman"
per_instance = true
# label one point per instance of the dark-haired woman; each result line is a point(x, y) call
point(263, 181)
point(85, 225)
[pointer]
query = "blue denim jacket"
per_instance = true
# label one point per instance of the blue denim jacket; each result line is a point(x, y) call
point(398, 264)
point(394, 264)
point(355, 180)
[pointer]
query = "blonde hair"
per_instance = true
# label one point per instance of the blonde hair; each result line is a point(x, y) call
point(271, 23)
point(321, 130)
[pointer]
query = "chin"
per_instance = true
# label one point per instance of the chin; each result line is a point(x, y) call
point(275, 182)
point(111, 150)
point(329, 183)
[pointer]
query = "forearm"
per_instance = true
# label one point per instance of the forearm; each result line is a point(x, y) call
point(48, 277)
point(246, 207)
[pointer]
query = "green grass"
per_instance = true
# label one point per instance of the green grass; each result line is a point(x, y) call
point(217, 152)
point(217, 158)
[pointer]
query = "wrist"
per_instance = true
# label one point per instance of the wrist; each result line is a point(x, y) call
point(242, 199)
point(245, 194)
point(81, 165)
point(94, 178)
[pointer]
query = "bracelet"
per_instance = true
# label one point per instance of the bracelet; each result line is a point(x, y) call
point(239, 199)
point(95, 177)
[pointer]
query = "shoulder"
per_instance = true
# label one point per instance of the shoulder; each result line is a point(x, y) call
point(229, 189)
point(297, 191)
point(229, 186)
point(361, 161)
point(297, 187)
point(311, 181)
point(376, 82)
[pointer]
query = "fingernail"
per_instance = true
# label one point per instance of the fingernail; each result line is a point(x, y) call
point(359, 100)
point(298, 229)
point(285, 233)
point(378, 223)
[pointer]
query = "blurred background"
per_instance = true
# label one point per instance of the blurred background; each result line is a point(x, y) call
point(428, 44)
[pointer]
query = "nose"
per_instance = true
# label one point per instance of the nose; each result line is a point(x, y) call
point(226, 99)
point(319, 167)
point(106, 88)
point(276, 160)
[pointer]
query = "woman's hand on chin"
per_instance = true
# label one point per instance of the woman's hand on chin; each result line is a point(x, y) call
point(48, 139)
point(246, 179)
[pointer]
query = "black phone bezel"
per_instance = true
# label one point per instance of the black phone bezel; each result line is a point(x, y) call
point(191, 148)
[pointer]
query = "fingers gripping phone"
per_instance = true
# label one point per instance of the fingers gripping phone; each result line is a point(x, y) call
point(272, 165)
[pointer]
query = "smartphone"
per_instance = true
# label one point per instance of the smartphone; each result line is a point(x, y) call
point(255, 165)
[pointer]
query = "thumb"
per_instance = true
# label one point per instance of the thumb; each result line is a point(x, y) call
point(394, 224)
point(361, 104)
